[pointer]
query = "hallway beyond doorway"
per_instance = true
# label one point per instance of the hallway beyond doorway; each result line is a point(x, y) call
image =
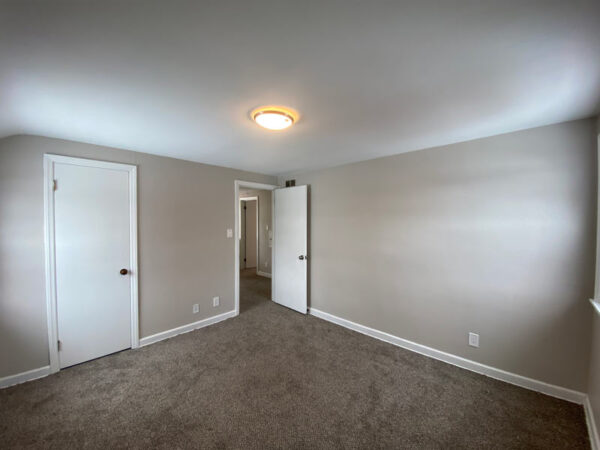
point(254, 290)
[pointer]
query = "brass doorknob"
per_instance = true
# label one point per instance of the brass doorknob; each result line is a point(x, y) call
point(123, 271)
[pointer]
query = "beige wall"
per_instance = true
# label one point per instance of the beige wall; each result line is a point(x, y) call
point(185, 257)
point(494, 236)
point(264, 220)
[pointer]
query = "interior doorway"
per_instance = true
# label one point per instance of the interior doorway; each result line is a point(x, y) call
point(254, 242)
point(255, 246)
point(282, 247)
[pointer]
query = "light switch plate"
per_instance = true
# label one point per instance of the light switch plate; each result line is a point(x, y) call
point(473, 339)
point(229, 233)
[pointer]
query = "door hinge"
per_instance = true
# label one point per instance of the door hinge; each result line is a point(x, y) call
point(59, 345)
point(54, 185)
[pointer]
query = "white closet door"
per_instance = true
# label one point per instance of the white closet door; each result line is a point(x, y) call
point(92, 248)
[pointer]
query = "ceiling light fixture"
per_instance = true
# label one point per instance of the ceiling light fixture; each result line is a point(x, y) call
point(274, 117)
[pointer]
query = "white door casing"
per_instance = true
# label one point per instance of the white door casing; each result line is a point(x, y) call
point(91, 234)
point(290, 219)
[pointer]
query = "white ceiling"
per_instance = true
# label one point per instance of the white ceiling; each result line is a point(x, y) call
point(370, 78)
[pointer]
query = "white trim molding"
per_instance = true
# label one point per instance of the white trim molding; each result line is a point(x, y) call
point(49, 237)
point(263, 274)
point(591, 424)
point(492, 372)
point(22, 377)
point(597, 271)
point(596, 304)
point(41, 372)
point(186, 328)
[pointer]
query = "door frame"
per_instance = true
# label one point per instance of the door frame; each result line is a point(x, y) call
point(49, 237)
point(245, 199)
point(251, 185)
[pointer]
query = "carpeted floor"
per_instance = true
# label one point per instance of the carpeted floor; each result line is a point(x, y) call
point(273, 378)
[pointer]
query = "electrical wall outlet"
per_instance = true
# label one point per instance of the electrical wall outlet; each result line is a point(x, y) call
point(215, 301)
point(473, 339)
point(229, 233)
point(196, 308)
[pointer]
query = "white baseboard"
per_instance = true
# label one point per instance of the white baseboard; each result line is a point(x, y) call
point(518, 380)
point(44, 371)
point(492, 372)
point(185, 328)
point(591, 424)
point(24, 376)
point(263, 274)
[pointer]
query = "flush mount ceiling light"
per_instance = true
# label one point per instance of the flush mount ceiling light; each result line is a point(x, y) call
point(274, 117)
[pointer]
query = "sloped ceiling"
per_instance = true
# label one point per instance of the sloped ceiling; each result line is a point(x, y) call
point(370, 78)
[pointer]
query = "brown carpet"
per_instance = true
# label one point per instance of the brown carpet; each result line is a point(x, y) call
point(273, 378)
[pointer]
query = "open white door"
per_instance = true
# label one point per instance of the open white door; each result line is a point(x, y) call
point(290, 220)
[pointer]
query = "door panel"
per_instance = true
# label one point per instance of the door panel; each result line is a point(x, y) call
point(92, 223)
point(290, 247)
